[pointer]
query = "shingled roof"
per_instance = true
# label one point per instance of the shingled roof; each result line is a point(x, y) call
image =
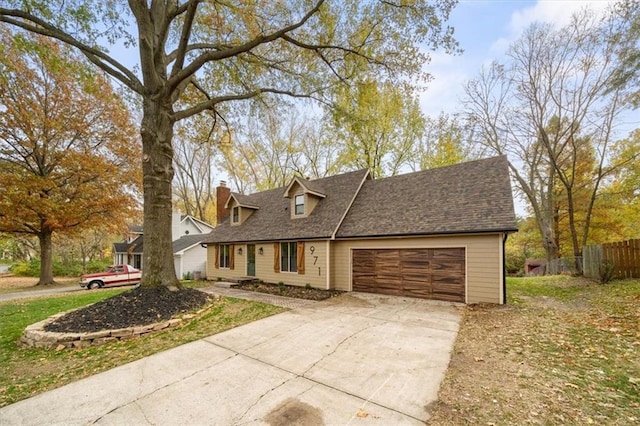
point(464, 198)
point(187, 241)
point(472, 197)
point(135, 246)
point(272, 220)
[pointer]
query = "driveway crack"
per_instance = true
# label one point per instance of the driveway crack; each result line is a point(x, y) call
point(343, 341)
point(260, 398)
point(139, 397)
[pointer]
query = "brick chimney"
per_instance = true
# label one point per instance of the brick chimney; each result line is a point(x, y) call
point(222, 195)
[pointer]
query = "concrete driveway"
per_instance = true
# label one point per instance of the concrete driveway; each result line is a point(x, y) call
point(355, 359)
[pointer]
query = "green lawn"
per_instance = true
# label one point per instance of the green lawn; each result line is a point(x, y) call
point(25, 372)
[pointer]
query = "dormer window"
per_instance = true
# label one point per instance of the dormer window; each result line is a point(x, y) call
point(236, 214)
point(299, 204)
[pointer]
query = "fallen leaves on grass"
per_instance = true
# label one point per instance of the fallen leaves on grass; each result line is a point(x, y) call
point(547, 360)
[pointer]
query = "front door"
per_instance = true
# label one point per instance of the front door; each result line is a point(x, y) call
point(251, 260)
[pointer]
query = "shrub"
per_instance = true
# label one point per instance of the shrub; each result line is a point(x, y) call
point(281, 286)
point(308, 286)
point(186, 276)
point(26, 269)
point(605, 271)
point(60, 269)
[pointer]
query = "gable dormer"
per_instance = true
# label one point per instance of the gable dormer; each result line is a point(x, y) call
point(240, 209)
point(304, 197)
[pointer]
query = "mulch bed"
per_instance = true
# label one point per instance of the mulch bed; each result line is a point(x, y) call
point(136, 307)
point(289, 291)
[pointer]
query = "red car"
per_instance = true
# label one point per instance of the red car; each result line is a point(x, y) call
point(115, 275)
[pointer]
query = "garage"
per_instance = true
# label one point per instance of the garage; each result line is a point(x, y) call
point(433, 273)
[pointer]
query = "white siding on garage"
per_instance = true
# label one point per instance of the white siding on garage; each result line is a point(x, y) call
point(192, 260)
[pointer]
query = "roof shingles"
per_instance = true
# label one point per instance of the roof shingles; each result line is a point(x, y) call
point(272, 221)
point(463, 198)
point(469, 197)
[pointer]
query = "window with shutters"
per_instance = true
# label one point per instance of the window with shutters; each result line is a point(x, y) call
point(225, 250)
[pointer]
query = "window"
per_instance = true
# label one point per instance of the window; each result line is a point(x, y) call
point(299, 201)
point(224, 255)
point(137, 261)
point(236, 214)
point(289, 257)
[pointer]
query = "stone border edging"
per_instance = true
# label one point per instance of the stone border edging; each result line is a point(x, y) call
point(35, 335)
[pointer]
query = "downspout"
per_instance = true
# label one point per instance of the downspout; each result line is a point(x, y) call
point(504, 269)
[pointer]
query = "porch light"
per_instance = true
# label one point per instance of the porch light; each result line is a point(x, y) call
point(240, 250)
point(260, 251)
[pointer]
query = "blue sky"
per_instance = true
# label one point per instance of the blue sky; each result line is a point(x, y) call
point(484, 29)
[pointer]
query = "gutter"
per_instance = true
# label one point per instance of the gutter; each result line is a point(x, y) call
point(426, 234)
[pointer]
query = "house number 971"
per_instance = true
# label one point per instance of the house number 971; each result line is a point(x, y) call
point(312, 250)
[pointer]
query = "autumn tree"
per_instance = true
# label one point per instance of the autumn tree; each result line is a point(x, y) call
point(626, 15)
point(197, 55)
point(446, 141)
point(620, 217)
point(379, 125)
point(273, 145)
point(548, 108)
point(66, 145)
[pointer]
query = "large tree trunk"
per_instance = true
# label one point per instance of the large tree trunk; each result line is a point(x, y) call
point(46, 258)
point(157, 167)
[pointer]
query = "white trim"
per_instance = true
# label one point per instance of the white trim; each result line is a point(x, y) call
point(306, 190)
point(184, 250)
point(197, 221)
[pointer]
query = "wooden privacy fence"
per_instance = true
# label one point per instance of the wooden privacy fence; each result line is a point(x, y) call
point(623, 256)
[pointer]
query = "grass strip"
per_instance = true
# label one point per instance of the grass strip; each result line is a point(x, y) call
point(25, 372)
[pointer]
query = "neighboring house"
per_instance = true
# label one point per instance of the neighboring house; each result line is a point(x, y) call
point(188, 255)
point(435, 234)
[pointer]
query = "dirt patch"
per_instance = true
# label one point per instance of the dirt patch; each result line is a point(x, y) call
point(136, 307)
point(11, 283)
point(290, 291)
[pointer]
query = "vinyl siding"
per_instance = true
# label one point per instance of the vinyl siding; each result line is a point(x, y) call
point(195, 260)
point(315, 269)
point(483, 261)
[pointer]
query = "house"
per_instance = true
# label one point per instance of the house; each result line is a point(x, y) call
point(189, 256)
point(435, 234)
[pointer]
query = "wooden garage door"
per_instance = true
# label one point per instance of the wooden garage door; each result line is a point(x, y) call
point(427, 273)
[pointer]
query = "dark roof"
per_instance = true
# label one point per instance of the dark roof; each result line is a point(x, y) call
point(463, 198)
point(187, 241)
point(243, 200)
point(120, 247)
point(135, 246)
point(272, 221)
